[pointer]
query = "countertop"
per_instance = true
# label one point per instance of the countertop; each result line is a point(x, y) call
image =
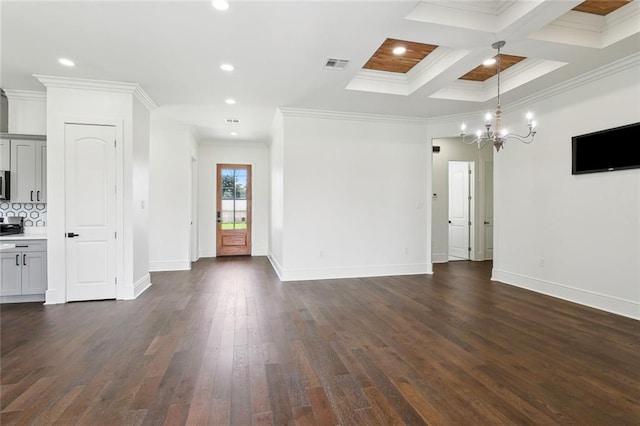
point(27, 236)
point(4, 246)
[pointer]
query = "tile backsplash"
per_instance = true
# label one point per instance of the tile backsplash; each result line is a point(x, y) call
point(35, 214)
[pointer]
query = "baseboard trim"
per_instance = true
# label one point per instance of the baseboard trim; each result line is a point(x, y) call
point(276, 266)
point(141, 285)
point(22, 299)
point(615, 305)
point(354, 272)
point(439, 258)
point(169, 265)
point(51, 298)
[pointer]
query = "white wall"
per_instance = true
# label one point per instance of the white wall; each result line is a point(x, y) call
point(452, 149)
point(139, 225)
point(573, 237)
point(170, 153)
point(355, 196)
point(276, 192)
point(256, 154)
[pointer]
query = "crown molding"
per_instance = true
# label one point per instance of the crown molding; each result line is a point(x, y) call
point(592, 76)
point(98, 85)
point(144, 98)
point(595, 75)
point(350, 116)
point(25, 95)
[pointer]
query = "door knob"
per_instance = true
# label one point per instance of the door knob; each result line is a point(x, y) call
point(71, 235)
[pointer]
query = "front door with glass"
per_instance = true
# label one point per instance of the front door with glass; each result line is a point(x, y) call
point(233, 210)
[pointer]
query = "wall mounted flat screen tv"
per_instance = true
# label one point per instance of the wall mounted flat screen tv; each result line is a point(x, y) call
point(606, 150)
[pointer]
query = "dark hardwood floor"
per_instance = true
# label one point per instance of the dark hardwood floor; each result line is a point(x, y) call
point(227, 343)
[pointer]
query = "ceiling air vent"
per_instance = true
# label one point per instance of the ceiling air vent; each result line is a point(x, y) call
point(232, 120)
point(336, 64)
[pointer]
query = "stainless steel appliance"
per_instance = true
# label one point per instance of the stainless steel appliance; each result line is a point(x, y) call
point(11, 225)
point(5, 185)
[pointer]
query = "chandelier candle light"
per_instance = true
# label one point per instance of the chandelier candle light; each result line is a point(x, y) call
point(498, 135)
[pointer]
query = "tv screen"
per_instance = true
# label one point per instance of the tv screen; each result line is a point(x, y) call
point(606, 150)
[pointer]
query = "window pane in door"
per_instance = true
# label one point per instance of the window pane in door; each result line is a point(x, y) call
point(233, 213)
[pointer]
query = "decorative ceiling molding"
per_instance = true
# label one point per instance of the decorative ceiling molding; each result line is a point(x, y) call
point(632, 61)
point(349, 116)
point(25, 95)
point(517, 75)
point(380, 82)
point(588, 30)
point(432, 66)
point(98, 85)
point(383, 59)
point(473, 15)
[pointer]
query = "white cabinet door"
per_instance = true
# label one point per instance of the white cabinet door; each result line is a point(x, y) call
point(41, 172)
point(5, 146)
point(11, 271)
point(34, 273)
point(23, 171)
point(28, 171)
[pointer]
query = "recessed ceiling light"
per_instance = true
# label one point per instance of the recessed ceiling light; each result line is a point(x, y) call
point(66, 62)
point(399, 50)
point(230, 101)
point(220, 4)
point(489, 62)
point(227, 67)
point(234, 133)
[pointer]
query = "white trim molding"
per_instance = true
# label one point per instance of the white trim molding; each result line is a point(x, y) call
point(98, 85)
point(169, 265)
point(340, 115)
point(25, 95)
point(141, 285)
point(354, 272)
point(616, 305)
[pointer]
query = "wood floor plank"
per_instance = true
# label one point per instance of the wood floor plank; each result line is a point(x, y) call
point(228, 344)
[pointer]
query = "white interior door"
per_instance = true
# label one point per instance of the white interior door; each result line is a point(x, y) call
point(459, 242)
point(488, 210)
point(90, 203)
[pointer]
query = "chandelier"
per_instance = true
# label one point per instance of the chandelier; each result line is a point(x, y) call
point(498, 135)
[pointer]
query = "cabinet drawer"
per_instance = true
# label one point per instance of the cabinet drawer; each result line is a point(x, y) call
point(26, 245)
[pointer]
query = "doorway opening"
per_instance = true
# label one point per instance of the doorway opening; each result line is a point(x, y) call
point(459, 240)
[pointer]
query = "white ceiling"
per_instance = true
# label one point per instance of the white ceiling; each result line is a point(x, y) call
point(173, 49)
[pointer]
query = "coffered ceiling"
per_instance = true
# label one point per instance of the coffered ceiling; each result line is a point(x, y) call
point(279, 50)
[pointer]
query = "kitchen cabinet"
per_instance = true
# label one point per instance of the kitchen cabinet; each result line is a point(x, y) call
point(24, 268)
point(28, 171)
point(5, 162)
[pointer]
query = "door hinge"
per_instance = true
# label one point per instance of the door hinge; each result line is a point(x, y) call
point(115, 235)
point(469, 223)
point(468, 248)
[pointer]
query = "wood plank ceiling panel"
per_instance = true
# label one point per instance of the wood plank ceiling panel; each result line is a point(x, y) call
point(385, 60)
point(600, 7)
point(482, 73)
